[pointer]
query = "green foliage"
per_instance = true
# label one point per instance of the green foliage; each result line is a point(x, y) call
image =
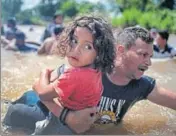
point(128, 4)
point(37, 21)
point(128, 18)
point(24, 15)
point(29, 17)
point(85, 7)
point(69, 8)
point(147, 19)
point(144, 5)
point(10, 8)
point(159, 14)
point(160, 19)
point(47, 9)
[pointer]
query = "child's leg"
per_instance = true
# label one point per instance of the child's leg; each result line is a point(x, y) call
point(23, 116)
point(51, 125)
point(29, 98)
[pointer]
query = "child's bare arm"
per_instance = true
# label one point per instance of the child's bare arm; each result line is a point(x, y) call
point(44, 88)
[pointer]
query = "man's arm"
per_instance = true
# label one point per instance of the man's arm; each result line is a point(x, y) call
point(4, 41)
point(78, 121)
point(163, 97)
point(81, 121)
point(54, 106)
point(11, 46)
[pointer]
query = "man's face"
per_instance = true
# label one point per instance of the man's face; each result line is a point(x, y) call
point(160, 41)
point(137, 59)
point(59, 19)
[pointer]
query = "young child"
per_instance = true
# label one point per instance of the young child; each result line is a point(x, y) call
point(88, 46)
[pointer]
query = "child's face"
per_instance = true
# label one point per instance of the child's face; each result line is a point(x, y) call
point(82, 52)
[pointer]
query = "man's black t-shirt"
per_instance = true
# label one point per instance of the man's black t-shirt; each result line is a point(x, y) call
point(116, 100)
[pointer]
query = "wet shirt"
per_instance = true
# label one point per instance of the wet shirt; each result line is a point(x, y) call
point(167, 52)
point(26, 48)
point(79, 88)
point(117, 100)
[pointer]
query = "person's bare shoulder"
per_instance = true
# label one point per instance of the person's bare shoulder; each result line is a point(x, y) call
point(46, 46)
point(49, 40)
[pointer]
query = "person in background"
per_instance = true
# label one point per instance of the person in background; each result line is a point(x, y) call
point(4, 41)
point(10, 35)
point(2, 28)
point(57, 21)
point(161, 47)
point(20, 44)
point(46, 47)
point(11, 29)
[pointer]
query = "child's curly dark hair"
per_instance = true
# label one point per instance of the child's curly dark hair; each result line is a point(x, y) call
point(103, 41)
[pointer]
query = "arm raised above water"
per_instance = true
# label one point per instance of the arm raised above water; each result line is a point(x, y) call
point(163, 97)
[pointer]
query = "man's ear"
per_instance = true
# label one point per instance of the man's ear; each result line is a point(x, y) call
point(120, 48)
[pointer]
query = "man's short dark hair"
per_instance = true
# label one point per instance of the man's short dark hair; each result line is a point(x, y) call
point(12, 21)
point(164, 34)
point(129, 35)
point(58, 13)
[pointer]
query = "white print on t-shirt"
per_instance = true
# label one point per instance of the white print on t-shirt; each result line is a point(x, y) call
point(109, 109)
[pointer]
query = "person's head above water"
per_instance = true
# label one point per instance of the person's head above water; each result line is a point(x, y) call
point(20, 38)
point(11, 22)
point(58, 17)
point(161, 38)
point(88, 41)
point(134, 51)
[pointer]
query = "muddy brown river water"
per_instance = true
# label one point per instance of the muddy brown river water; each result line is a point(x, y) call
point(19, 71)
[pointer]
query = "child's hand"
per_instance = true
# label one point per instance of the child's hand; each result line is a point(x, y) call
point(43, 86)
point(54, 75)
point(43, 81)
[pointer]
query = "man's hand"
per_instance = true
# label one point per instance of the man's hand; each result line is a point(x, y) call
point(81, 121)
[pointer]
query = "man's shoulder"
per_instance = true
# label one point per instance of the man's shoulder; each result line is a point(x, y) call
point(145, 79)
point(143, 86)
point(146, 82)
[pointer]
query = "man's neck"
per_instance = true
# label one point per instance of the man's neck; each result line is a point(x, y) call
point(118, 77)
